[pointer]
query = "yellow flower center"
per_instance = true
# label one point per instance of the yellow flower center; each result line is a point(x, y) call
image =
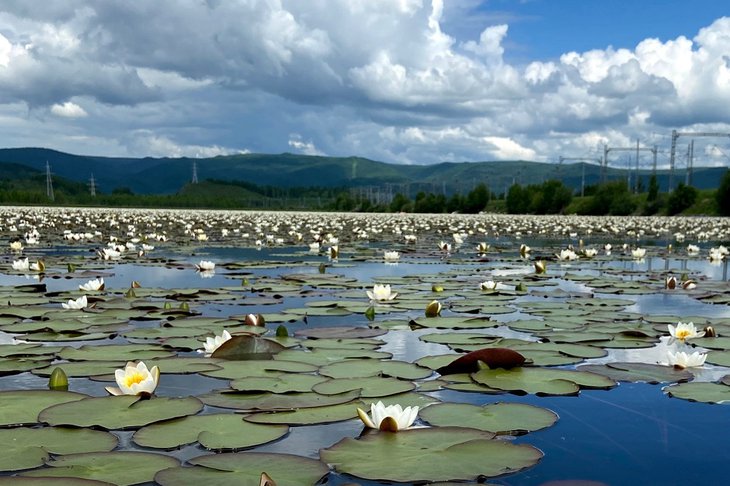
point(134, 378)
point(682, 334)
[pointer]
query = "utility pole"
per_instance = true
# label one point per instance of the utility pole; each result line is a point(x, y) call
point(690, 162)
point(675, 136)
point(583, 161)
point(49, 183)
point(636, 179)
point(607, 149)
point(195, 173)
point(92, 186)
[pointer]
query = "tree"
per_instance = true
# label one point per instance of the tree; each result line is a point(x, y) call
point(723, 195)
point(477, 199)
point(681, 198)
point(518, 200)
point(653, 188)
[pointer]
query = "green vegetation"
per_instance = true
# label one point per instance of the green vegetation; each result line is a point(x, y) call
point(723, 195)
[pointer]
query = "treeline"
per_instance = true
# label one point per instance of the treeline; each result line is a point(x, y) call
point(473, 202)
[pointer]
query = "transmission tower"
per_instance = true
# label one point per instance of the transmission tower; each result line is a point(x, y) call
point(583, 161)
point(637, 149)
point(195, 173)
point(92, 186)
point(49, 183)
point(675, 136)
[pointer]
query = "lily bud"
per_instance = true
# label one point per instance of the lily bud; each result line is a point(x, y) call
point(689, 284)
point(134, 285)
point(130, 294)
point(670, 283)
point(521, 287)
point(540, 266)
point(71, 268)
point(433, 309)
point(436, 288)
point(370, 313)
point(266, 480)
point(254, 320)
point(281, 331)
point(58, 380)
point(710, 331)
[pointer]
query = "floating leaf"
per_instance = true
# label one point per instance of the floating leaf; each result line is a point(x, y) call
point(541, 381)
point(491, 357)
point(700, 392)
point(500, 418)
point(122, 468)
point(430, 454)
point(373, 386)
point(639, 372)
point(120, 412)
point(245, 347)
point(360, 368)
point(21, 407)
point(278, 383)
point(255, 402)
point(243, 468)
point(215, 431)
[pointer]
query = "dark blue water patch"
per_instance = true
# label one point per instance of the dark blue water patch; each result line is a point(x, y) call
point(632, 434)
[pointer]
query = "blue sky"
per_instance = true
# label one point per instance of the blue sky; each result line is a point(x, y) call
point(401, 81)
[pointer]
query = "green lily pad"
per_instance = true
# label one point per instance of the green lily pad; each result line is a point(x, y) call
point(21, 481)
point(500, 418)
point(278, 383)
point(255, 402)
point(25, 448)
point(215, 432)
point(115, 352)
point(339, 332)
point(430, 454)
point(454, 322)
point(232, 370)
point(541, 381)
point(120, 412)
point(21, 407)
point(307, 416)
point(322, 357)
point(374, 386)
point(360, 368)
point(122, 468)
point(243, 468)
point(700, 392)
point(82, 368)
point(639, 372)
point(246, 347)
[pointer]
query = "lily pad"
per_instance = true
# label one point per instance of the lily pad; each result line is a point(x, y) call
point(700, 392)
point(360, 368)
point(21, 407)
point(121, 468)
point(245, 347)
point(430, 454)
point(374, 386)
point(278, 383)
point(120, 412)
point(25, 448)
point(215, 431)
point(500, 418)
point(255, 402)
point(542, 381)
point(639, 372)
point(235, 469)
point(340, 332)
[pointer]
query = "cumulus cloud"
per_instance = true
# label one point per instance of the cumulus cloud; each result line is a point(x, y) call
point(385, 80)
point(68, 110)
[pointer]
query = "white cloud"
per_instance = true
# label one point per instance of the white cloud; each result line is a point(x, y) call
point(68, 110)
point(146, 143)
point(307, 148)
point(507, 149)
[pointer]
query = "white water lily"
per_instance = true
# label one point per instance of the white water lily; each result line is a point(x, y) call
point(540, 266)
point(391, 256)
point(590, 252)
point(334, 252)
point(109, 254)
point(693, 249)
point(670, 283)
point(21, 265)
point(205, 265)
point(524, 250)
point(16, 245)
point(38, 266)
point(135, 380)
point(716, 255)
point(482, 248)
point(314, 247)
point(638, 253)
point(79, 303)
point(680, 359)
point(689, 284)
point(684, 331)
point(381, 293)
point(443, 246)
point(567, 255)
point(390, 419)
point(213, 343)
point(93, 285)
point(488, 285)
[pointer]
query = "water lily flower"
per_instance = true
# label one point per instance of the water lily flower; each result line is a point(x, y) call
point(205, 265)
point(567, 255)
point(334, 252)
point(202, 237)
point(716, 255)
point(524, 250)
point(21, 265)
point(213, 343)
point(693, 249)
point(314, 247)
point(682, 360)
point(433, 309)
point(135, 380)
point(38, 266)
point(540, 266)
point(443, 246)
point(410, 238)
point(93, 285)
point(488, 285)
point(607, 248)
point(109, 254)
point(254, 320)
point(590, 252)
point(482, 248)
point(391, 256)
point(684, 331)
point(16, 245)
point(689, 284)
point(638, 253)
point(670, 283)
point(389, 419)
point(79, 303)
point(381, 293)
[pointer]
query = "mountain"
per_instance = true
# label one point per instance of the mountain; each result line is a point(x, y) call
point(168, 175)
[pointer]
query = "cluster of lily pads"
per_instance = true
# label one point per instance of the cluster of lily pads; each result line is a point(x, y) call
point(318, 356)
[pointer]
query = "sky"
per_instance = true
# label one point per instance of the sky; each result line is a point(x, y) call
point(400, 81)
